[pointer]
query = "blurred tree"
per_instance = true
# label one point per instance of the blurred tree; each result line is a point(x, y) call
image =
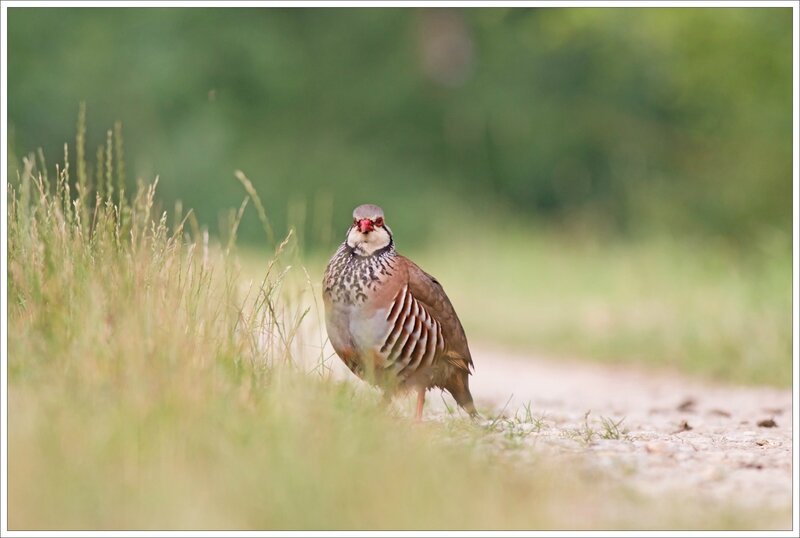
point(634, 120)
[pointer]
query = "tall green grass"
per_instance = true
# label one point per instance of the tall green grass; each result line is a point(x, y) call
point(151, 387)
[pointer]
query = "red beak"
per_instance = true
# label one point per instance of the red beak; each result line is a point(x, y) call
point(365, 225)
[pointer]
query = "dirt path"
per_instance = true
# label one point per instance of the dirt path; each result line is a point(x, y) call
point(729, 442)
point(658, 432)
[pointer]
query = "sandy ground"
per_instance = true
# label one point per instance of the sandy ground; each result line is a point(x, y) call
point(729, 443)
point(733, 443)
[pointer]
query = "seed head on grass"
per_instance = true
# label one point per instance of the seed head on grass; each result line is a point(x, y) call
point(262, 213)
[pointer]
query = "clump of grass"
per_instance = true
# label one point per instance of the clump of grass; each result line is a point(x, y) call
point(150, 387)
point(584, 433)
point(612, 429)
point(587, 433)
point(537, 422)
point(517, 428)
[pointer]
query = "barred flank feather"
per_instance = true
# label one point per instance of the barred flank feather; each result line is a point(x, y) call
point(414, 337)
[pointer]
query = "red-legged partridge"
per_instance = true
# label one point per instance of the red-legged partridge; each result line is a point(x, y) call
point(391, 322)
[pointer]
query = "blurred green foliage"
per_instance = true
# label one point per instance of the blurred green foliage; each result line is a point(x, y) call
point(622, 120)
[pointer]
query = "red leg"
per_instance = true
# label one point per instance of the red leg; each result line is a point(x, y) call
point(420, 403)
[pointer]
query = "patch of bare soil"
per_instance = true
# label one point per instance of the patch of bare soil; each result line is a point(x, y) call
point(657, 432)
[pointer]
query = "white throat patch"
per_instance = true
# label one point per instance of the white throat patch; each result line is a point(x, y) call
point(366, 244)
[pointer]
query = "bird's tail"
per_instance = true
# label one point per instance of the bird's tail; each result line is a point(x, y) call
point(459, 388)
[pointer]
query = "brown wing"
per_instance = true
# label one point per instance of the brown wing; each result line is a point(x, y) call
point(415, 338)
point(427, 290)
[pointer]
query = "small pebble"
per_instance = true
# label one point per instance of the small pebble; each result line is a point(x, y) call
point(656, 447)
point(683, 427)
point(711, 473)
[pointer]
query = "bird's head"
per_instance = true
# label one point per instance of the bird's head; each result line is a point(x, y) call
point(368, 233)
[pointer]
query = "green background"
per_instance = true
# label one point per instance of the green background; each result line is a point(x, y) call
point(621, 122)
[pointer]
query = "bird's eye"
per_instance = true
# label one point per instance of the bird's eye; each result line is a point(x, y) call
point(379, 221)
point(355, 222)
